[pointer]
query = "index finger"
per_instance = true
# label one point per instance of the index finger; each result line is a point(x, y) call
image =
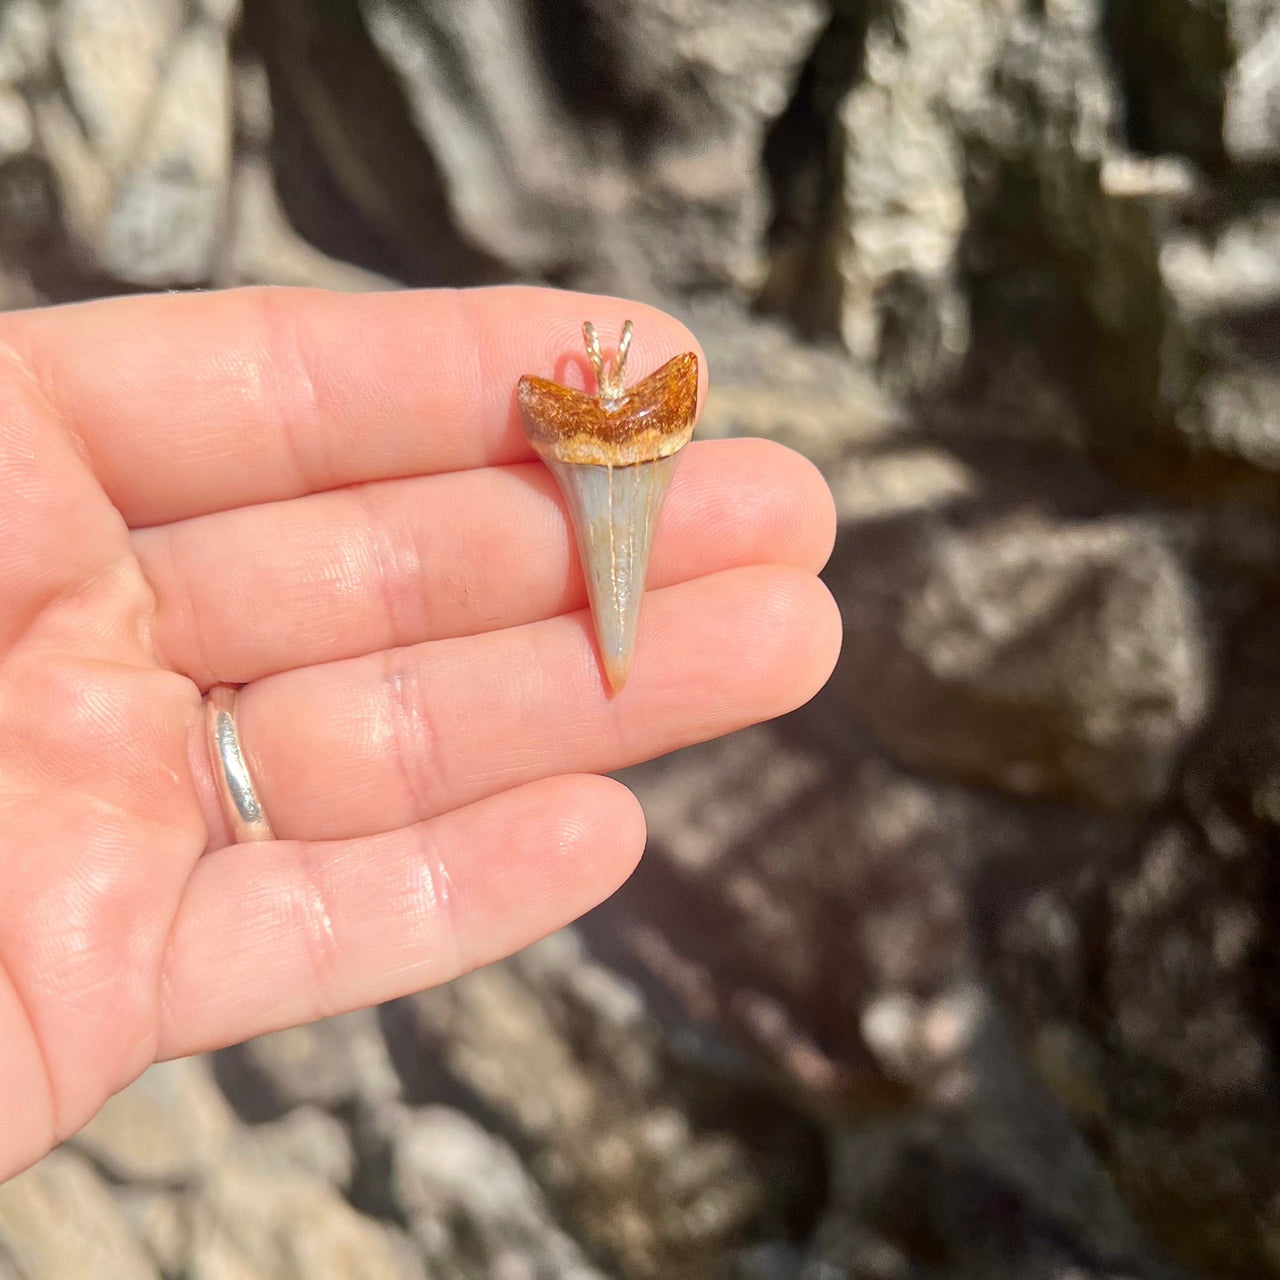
point(191, 403)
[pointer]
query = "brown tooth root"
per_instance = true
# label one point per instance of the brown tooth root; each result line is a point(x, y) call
point(614, 455)
point(651, 420)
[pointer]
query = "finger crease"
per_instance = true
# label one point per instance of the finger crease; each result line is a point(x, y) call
point(415, 739)
point(294, 369)
point(385, 566)
point(322, 946)
point(182, 572)
point(442, 906)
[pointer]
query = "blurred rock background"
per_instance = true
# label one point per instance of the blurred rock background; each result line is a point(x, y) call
point(970, 969)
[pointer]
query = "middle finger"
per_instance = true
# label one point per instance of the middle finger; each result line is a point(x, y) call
point(247, 593)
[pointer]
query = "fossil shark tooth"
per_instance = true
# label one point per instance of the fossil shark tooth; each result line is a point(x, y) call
point(614, 455)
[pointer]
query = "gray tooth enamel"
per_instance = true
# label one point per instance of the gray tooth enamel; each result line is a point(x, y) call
point(614, 511)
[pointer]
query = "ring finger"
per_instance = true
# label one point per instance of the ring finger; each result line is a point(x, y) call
point(378, 742)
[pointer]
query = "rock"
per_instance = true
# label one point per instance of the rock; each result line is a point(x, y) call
point(353, 174)
point(768, 937)
point(1237, 415)
point(133, 125)
point(265, 248)
point(262, 246)
point(969, 968)
point(919, 1201)
point(1234, 267)
point(768, 383)
point(222, 12)
point(1062, 277)
point(184, 1159)
point(167, 218)
point(59, 1222)
point(712, 805)
point(473, 1209)
point(918, 105)
point(660, 110)
point(17, 126)
point(160, 1219)
point(251, 1221)
point(1145, 998)
point(896, 482)
point(1167, 1064)
point(28, 207)
point(904, 202)
point(1043, 659)
point(1251, 109)
point(775, 1260)
point(25, 41)
point(1103, 310)
point(167, 1126)
point(186, 1173)
point(1180, 941)
point(112, 57)
point(78, 175)
point(831, 927)
point(650, 1172)
point(328, 1064)
point(841, 929)
point(1173, 58)
point(306, 1139)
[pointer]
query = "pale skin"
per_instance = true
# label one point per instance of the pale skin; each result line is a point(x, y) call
point(329, 499)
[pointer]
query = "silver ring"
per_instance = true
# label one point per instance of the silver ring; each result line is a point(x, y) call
point(240, 804)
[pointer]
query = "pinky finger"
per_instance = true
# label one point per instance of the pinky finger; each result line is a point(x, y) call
point(274, 935)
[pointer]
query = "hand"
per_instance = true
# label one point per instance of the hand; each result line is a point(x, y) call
point(330, 500)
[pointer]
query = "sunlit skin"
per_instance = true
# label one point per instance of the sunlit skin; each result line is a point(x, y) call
point(331, 499)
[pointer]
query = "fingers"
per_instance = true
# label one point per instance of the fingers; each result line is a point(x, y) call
point(244, 593)
point(274, 935)
point(190, 403)
point(379, 742)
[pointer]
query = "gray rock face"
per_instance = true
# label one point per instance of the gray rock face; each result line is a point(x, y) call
point(1177, 1079)
point(283, 1223)
point(190, 1191)
point(58, 1221)
point(326, 1064)
point(116, 137)
point(564, 1054)
point(657, 110)
point(147, 137)
point(167, 1127)
point(893, 1185)
point(1251, 110)
point(1045, 660)
point(165, 222)
point(850, 951)
point(473, 1208)
point(970, 968)
point(926, 65)
point(1173, 58)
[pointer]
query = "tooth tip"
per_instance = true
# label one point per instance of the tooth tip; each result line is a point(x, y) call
point(617, 669)
point(614, 511)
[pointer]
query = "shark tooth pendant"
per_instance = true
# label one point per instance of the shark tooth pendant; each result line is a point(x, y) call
point(614, 455)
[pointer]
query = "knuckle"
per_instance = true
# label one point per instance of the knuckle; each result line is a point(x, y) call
point(415, 739)
point(320, 940)
point(441, 895)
